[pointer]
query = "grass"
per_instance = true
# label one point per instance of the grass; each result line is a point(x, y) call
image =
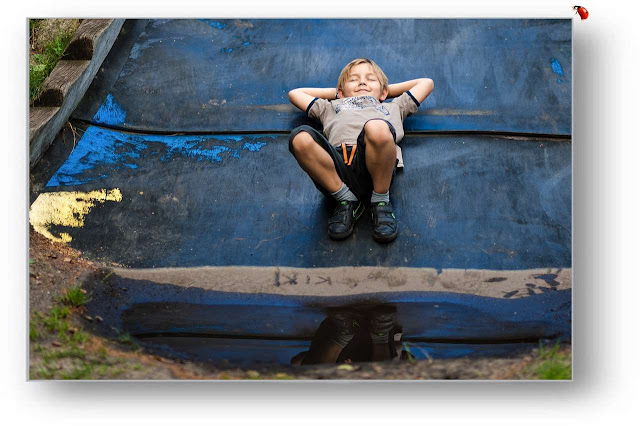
point(75, 296)
point(126, 339)
point(60, 346)
point(57, 321)
point(552, 364)
point(78, 373)
point(44, 59)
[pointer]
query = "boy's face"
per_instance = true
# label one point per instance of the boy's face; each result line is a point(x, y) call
point(362, 81)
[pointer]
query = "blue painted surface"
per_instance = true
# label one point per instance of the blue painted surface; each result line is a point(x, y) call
point(489, 74)
point(462, 202)
point(214, 24)
point(110, 113)
point(556, 66)
point(102, 149)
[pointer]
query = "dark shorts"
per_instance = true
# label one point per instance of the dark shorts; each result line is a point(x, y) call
point(356, 176)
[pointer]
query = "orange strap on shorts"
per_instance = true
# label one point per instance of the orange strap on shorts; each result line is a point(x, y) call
point(344, 153)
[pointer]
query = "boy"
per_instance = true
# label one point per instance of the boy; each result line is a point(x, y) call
point(358, 161)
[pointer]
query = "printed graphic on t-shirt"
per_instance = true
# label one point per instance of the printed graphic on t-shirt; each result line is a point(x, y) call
point(361, 102)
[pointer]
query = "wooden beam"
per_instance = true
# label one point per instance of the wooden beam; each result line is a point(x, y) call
point(69, 81)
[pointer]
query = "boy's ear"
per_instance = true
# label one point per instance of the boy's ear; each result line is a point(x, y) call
point(340, 93)
point(385, 92)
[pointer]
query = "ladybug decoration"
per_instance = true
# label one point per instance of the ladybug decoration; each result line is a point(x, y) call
point(584, 13)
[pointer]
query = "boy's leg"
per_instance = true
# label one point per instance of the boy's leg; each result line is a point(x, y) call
point(315, 161)
point(382, 320)
point(332, 336)
point(377, 140)
point(326, 168)
point(380, 154)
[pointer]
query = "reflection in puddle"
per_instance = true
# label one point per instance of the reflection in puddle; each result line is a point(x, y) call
point(252, 336)
point(252, 329)
point(350, 335)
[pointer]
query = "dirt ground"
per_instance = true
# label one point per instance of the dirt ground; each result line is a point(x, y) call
point(54, 268)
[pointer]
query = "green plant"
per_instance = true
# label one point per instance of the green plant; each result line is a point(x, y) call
point(34, 333)
point(410, 356)
point(79, 337)
point(69, 352)
point(552, 365)
point(55, 320)
point(126, 339)
point(43, 373)
point(102, 353)
point(75, 296)
point(78, 373)
point(41, 64)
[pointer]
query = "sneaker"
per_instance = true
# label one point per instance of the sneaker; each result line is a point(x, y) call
point(344, 325)
point(382, 320)
point(385, 227)
point(344, 218)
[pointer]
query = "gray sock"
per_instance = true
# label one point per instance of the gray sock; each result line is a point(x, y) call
point(378, 198)
point(344, 194)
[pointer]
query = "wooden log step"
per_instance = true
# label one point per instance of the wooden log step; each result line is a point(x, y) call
point(70, 79)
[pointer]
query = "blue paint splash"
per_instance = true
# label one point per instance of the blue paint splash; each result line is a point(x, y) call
point(246, 43)
point(214, 24)
point(110, 112)
point(100, 147)
point(557, 68)
point(226, 50)
point(254, 147)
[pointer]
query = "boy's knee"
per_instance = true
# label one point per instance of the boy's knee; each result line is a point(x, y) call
point(302, 143)
point(377, 132)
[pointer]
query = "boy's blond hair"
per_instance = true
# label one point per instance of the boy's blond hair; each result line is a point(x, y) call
point(344, 75)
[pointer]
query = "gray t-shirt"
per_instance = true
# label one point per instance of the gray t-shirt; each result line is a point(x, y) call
point(343, 119)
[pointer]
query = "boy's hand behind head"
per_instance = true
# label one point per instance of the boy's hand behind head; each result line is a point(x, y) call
point(362, 77)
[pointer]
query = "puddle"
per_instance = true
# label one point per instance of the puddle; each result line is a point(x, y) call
point(251, 336)
point(249, 330)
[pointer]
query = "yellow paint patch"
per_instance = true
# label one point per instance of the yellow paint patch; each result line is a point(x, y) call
point(66, 209)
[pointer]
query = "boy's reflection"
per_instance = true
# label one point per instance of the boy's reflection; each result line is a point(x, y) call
point(349, 335)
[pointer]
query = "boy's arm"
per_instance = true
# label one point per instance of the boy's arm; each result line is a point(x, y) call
point(420, 88)
point(302, 97)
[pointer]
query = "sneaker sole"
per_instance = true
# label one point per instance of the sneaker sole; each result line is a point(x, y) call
point(385, 238)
